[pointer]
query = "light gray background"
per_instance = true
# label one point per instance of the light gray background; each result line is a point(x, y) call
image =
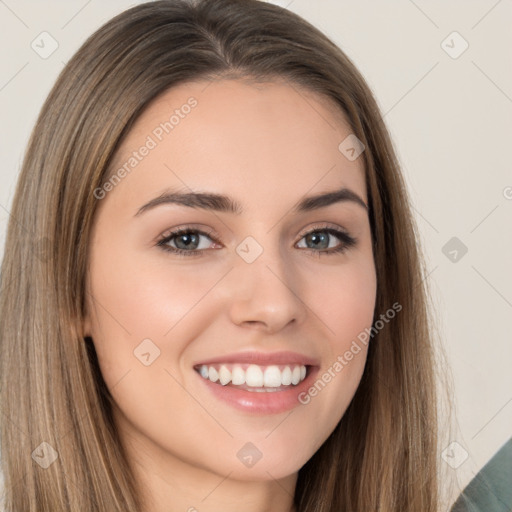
point(451, 121)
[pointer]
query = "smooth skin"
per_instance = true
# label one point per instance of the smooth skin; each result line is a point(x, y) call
point(267, 146)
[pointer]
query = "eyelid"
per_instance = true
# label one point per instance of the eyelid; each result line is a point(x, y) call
point(321, 225)
point(188, 227)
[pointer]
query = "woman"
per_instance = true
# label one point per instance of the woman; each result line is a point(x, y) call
point(226, 306)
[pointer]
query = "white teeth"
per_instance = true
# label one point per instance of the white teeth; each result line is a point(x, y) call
point(212, 374)
point(261, 378)
point(295, 376)
point(204, 371)
point(272, 377)
point(254, 376)
point(238, 376)
point(286, 376)
point(224, 375)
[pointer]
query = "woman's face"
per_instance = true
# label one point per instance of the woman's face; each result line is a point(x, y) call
point(269, 283)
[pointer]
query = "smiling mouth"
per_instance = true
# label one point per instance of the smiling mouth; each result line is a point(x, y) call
point(253, 377)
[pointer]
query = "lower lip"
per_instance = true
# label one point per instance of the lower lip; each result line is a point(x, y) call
point(265, 402)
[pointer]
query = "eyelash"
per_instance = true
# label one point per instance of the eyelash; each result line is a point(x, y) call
point(347, 241)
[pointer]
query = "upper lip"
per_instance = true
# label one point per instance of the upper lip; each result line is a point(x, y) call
point(262, 358)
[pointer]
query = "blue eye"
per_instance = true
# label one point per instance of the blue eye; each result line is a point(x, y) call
point(321, 239)
point(187, 241)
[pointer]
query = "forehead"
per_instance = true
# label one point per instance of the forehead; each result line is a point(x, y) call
point(255, 141)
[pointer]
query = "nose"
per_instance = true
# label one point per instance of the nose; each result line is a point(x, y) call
point(265, 294)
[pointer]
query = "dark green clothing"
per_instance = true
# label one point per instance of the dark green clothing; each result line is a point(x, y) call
point(491, 488)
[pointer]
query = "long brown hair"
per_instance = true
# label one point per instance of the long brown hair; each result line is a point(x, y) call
point(382, 456)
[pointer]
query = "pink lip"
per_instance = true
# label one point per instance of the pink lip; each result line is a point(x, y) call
point(269, 402)
point(262, 358)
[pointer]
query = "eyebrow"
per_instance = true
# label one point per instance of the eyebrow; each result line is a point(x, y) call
point(223, 203)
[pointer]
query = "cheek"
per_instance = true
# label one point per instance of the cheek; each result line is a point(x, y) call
point(345, 305)
point(145, 315)
point(135, 300)
point(137, 310)
point(343, 298)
